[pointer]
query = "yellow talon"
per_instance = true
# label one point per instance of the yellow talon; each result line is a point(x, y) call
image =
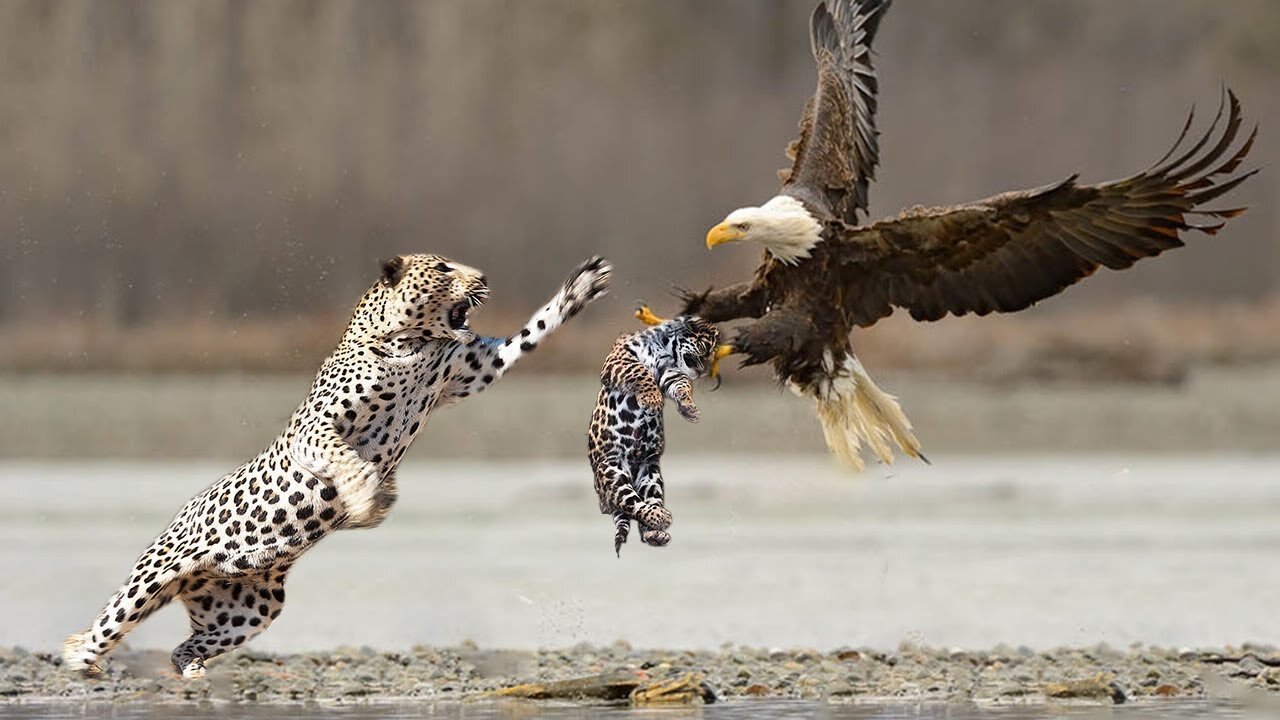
point(722, 351)
point(646, 316)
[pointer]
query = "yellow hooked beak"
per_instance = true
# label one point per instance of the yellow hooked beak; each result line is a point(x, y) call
point(723, 233)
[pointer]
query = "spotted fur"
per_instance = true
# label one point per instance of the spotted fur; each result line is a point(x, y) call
point(406, 352)
point(626, 440)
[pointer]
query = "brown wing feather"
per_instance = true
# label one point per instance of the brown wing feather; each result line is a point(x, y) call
point(835, 156)
point(1007, 252)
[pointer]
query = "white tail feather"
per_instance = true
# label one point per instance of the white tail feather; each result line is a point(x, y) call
point(854, 411)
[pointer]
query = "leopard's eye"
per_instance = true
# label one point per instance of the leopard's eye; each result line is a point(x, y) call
point(691, 360)
point(442, 268)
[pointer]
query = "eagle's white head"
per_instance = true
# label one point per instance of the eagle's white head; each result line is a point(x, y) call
point(782, 225)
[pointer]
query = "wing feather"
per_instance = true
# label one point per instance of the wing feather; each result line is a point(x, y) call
point(1012, 250)
point(835, 156)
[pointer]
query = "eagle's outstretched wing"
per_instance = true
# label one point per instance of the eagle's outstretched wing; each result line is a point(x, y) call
point(1007, 252)
point(835, 156)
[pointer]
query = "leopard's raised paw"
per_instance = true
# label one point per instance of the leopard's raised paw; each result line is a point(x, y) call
point(588, 282)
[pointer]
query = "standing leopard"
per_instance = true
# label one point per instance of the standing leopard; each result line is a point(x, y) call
point(625, 441)
point(407, 351)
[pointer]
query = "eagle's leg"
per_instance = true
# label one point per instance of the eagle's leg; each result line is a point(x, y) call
point(780, 332)
point(746, 299)
point(646, 316)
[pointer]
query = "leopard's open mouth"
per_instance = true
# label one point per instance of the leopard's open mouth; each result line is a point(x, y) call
point(458, 315)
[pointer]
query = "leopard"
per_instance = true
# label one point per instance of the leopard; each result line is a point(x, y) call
point(407, 350)
point(626, 438)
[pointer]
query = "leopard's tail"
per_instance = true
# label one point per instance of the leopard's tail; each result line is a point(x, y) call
point(621, 529)
point(854, 411)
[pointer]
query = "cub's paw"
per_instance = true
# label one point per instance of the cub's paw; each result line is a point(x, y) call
point(656, 538)
point(589, 281)
point(651, 399)
point(654, 517)
point(689, 411)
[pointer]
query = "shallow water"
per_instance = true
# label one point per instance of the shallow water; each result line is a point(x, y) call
point(757, 710)
point(773, 552)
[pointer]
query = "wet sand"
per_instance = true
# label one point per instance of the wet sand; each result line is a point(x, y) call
point(1043, 551)
point(1001, 675)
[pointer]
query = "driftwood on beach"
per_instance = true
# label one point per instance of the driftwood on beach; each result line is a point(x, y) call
point(634, 687)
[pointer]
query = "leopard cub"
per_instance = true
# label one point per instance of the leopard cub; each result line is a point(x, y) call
point(625, 441)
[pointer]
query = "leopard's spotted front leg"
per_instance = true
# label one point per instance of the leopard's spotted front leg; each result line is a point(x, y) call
point(622, 371)
point(475, 366)
point(676, 386)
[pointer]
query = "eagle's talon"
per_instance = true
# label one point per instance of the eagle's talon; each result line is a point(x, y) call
point(690, 302)
point(722, 351)
point(646, 316)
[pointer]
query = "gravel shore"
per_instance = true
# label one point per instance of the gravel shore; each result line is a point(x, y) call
point(999, 675)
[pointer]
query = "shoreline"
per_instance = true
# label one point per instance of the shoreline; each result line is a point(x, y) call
point(231, 417)
point(1000, 675)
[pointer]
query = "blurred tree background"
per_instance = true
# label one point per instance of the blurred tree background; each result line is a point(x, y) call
point(208, 185)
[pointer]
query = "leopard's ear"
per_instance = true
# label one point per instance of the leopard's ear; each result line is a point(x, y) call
point(393, 271)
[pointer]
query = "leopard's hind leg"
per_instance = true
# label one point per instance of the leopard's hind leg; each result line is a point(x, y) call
point(619, 498)
point(153, 582)
point(225, 613)
point(649, 485)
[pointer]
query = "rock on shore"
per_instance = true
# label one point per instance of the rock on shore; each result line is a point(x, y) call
point(910, 673)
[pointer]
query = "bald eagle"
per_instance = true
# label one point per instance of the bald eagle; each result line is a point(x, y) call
point(824, 272)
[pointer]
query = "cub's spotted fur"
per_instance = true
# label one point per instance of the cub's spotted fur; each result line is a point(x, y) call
point(626, 441)
point(406, 352)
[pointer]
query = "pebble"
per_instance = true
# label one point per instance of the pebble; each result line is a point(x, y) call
point(840, 689)
point(1094, 675)
point(1250, 666)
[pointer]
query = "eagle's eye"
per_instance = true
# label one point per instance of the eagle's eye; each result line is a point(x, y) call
point(742, 226)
